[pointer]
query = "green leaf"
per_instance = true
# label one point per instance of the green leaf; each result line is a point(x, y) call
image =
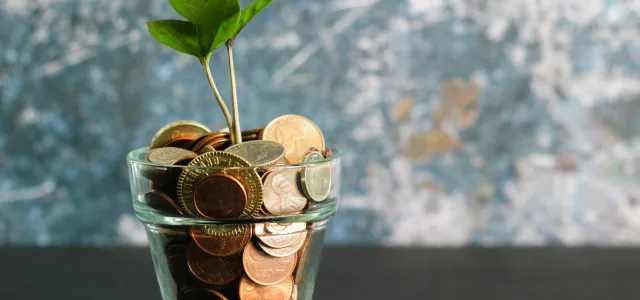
point(214, 20)
point(247, 14)
point(176, 34)
point(189, 9)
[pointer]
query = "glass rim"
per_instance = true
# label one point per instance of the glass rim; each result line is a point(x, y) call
point(137, 157)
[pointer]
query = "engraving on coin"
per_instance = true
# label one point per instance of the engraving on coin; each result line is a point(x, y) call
point(281, 194)
point(316, 178)
point(296, 133)
point(220, 245)
point(220, 163)
point(220, 196)
point(250, 290)
point(281, 238)
point(286, 251)
point(217, 270)
point(264, 269)
point(259, 153)
point(179, 130)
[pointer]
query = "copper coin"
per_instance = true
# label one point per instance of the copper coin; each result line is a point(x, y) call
point(283, 238)
point(220, 245)
point(179, 130)
point(176, 254)
point(255, 131)
point(201, 142)
point(296, 133)
point(162, 202)
point(250, 290)
point(286, 251)
point(328, 153)
point(217, 144)
point(265, 269)
point(182, 143)
point(200, 294)
point(281, 193)
point(216, 270)
point(294, 295)
point(220, 196)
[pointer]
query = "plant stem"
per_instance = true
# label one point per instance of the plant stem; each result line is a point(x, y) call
point(234, 95)
point(214, 88)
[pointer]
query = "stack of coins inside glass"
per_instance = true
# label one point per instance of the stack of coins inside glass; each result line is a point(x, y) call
point(274, 171)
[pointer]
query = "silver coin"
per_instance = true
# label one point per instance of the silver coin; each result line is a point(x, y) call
point(281, 193)
point(316, 179)
point(259, 153)
point(286, 251)
point(284, 238)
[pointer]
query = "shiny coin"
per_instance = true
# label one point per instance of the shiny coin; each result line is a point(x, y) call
point(259, 153)
point(281, 194)
point(296, 133)
point(250, 290)
point(200, 294)
point(162, 202)
point(282, 238)
point(220, 162)
point(279, 227)
point(220, 196)
point(316, 179)
point(216, 270)
point(220, 245)
point(328, 153)
point(179, 130)
point(264, 269)
point(286, 251)
point(169, 155)
point(294, 295)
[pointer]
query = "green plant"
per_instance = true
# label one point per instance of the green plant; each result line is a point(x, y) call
point(209, 24)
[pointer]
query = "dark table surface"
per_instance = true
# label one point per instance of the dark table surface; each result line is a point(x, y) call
point(347, 273)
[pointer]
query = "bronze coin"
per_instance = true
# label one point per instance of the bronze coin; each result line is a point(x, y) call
point(220, 196)
point(207, 139)
point(220, 245)
point(162, 202)
point(265, 269)
point(250, 290)
point(216, 144)
point(178, 130)
point(176, 254)
point(328, 153)
point(255, 131)
point(216, 270)
point(182, 143)
point(296, 133)
point(200, 294)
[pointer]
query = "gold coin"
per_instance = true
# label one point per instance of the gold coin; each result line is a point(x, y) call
point(281, 193)
point(220, 163)
point(296, 133)
point(316, 178)
point(259, 153)
point(267, 270)
point(250, 290)
point(178, 130)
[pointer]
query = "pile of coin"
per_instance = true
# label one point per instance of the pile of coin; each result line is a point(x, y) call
point(276, 171)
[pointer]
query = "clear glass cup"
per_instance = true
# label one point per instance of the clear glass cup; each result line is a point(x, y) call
point(259, 257)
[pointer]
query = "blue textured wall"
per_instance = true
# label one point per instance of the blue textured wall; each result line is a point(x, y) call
point(490, 122)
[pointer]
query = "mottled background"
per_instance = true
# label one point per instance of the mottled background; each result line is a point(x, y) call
point(462, 121)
